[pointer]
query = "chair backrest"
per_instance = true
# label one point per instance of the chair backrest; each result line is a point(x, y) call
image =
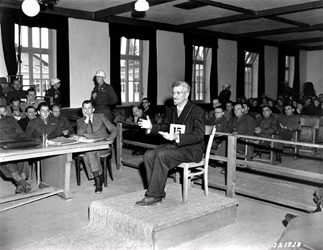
point(209, 130)
point(312, 122)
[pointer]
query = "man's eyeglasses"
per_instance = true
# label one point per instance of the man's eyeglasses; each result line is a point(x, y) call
point(178, 92)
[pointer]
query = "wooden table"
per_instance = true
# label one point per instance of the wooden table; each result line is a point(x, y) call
point(55, 166)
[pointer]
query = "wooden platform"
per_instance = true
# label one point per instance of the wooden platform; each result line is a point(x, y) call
point(168, 224)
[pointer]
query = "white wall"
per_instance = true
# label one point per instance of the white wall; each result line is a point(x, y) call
point(170, 62)
point(227, 65)
point(271, 71)
point(314, 70)
point(89, 48)
point(3, 68)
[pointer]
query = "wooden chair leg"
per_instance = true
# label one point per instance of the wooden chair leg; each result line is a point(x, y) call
point(185, 184)
point(78, 170)
point(206, 185)
point(110, 167)
point(104, 169)
point(38, 173)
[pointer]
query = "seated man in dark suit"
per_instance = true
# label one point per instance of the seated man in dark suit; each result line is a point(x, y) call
point(44, 124)
point(187, 146)
point(17, 171)
point(95, 126)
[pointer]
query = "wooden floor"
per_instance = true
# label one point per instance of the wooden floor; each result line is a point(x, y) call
point(277, 190)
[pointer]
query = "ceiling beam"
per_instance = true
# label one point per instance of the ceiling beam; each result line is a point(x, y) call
point(304, 40)
point(288, 21)
point(225, 6)
point(119, 9)
point(260, 14)
point(309, 48)
point(281, 31)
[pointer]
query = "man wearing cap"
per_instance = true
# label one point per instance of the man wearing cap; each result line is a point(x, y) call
point(103, 95)
point(54, 94)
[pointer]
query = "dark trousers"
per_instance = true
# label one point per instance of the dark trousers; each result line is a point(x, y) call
point(158, 162)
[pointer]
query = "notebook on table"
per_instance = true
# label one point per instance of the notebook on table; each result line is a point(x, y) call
point(20, 143)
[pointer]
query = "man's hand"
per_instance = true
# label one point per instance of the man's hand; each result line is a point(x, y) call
point(94, 95)
point(257, 130)
point(146, 124)
point(87, 119)
point(168, 136)
point(65, 132)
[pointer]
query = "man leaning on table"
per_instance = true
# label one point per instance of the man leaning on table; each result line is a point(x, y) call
point(95, 126)
point(17, 171)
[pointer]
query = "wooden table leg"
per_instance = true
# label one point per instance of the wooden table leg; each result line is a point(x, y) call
point(56, 172)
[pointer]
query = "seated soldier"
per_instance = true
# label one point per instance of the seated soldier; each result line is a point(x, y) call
point(44, 124)
point(95, 126)
point(17, 171)
point(266, 126)
point(209, 116)
point(30, 114)
point(228, 112)
point(288, 123)
point(15, 110)
point(147, 109)
point(221, 125)
point(240, 124)
point(138, 134)
point(31, 99)
point(63, 121)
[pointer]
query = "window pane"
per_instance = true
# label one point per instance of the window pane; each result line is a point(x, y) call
point(24, 36)
point(123, 92)
point(130, 96)
point(35, 37)
point(123, 45)
point(16, 35)
point(44, 38)
point(137, 94)
point(286, 61)
point(45, 68)
point(130, 70)
point(137, 48)
point(123, 70)
point(25, 68)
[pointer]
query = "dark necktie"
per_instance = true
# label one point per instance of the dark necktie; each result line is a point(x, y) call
point(91, 125)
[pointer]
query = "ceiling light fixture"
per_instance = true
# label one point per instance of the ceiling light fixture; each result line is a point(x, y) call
point(31, 8)
point(141, 5)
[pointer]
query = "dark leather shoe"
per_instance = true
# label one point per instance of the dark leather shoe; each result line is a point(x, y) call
point(149, 201)
point(98, 185)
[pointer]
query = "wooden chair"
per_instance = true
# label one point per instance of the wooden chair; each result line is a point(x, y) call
point(105, 160)
point(200, 168)
point(270, 149)
point(309, 128)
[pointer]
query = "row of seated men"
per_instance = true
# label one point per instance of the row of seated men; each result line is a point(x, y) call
point(235, 119)
point(48, 121)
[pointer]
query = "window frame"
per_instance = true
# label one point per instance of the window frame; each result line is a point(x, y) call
point(125, 85)
point(200, 84)
point(32, 51)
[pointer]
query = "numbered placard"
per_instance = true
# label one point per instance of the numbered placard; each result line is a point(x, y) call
point(177, 128)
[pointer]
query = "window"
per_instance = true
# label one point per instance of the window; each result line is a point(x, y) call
point(289, 70)
point(131, 68)
point(251, 74)
point(199, 72)
point(37, 60)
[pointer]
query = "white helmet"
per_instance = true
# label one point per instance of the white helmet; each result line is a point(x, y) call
point(53, 81)
point(101, 73)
